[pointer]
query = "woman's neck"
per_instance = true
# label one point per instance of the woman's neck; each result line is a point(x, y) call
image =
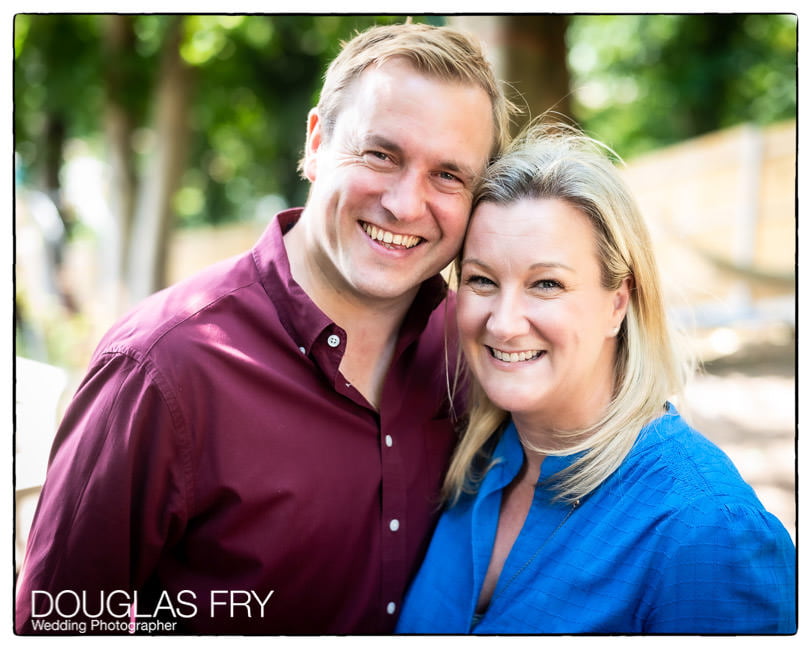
point(548, 429)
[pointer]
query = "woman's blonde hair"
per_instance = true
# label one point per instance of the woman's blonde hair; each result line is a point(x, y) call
point(438, 52)
point(559, 161)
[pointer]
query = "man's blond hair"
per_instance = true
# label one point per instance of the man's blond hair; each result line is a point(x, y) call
point(438, 52)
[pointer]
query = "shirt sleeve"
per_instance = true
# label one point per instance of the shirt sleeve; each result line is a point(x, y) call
point(730, 570)
point(114, 495)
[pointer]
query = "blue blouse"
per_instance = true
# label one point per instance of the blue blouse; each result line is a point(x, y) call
point(673, 542)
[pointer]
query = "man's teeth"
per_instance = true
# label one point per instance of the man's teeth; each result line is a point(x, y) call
point(386, 237)
point(514, 357)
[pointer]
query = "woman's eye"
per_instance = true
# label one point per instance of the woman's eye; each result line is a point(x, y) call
point(548, 285)
point(479, 281)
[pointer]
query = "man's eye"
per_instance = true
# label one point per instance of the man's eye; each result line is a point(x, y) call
point(448, 177)
point(378, 156)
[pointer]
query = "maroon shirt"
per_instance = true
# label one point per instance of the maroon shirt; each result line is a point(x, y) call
point(214, 453)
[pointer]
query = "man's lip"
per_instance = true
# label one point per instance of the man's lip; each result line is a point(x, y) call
point(389, 239)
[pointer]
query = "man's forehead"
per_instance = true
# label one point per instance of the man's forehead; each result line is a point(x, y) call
point(377, 109)
point(396, 67)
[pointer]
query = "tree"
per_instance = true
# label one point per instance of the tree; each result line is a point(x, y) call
point(201, 118)
point(535, 53)
point(646, 81)
point(47, 87)
point(120, 122)
point(154, 208)
point(142, 211)
point(203, 115)
point(529, 54)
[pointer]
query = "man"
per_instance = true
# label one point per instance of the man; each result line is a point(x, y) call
point(259, 449)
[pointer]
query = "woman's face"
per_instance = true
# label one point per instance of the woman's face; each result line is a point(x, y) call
point(536, 325)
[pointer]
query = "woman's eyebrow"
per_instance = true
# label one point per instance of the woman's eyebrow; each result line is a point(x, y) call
point(535, 266)
point(475, 262)
point(551, 264)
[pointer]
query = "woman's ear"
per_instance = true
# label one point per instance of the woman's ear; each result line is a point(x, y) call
point(620, 304)
point(314, 138)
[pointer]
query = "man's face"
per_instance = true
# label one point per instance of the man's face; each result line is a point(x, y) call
point(392, 184)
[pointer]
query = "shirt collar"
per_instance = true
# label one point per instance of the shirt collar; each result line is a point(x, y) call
point(509, 456)
point(299, 315)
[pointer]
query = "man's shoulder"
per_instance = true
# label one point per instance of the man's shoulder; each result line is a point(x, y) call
point(178, 306)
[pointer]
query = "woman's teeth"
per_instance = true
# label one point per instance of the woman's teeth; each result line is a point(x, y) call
point(515, 357)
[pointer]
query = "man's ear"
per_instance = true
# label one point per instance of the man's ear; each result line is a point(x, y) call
point(314, 138)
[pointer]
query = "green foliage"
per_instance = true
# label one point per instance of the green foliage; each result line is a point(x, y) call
point(259, 76)
point(645, 81)
point(256, 78)
point(46, 80)
point(640, 82)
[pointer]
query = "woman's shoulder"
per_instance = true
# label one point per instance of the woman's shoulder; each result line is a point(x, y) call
point(693, 498)
point(686, 468)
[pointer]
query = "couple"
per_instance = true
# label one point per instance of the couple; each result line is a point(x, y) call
point(266, 447)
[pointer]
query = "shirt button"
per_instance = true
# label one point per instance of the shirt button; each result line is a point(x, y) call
point(390, 608)
point(394, 525)
point(389, 441)
point(302, 350)
point(333, 341)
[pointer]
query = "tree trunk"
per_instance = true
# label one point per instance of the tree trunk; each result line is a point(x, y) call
point(119, 125)
point(528, 52)
point(54, 145)
point(536, 61)
point(153, 212)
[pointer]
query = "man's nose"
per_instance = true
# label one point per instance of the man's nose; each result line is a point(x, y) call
point(406, 196)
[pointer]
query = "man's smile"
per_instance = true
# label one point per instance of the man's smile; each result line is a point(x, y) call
point(390, 239)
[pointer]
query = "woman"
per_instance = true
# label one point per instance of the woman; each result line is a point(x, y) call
point(579, 500)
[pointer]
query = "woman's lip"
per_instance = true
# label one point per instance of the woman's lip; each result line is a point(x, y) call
point(515, 356)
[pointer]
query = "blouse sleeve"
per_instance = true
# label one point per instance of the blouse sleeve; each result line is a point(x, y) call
point(730, 570)
point(115, 493)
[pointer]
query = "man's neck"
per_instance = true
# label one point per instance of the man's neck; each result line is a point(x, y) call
point(372, 326)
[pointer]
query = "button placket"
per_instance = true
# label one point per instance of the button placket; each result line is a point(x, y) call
point(394, 512)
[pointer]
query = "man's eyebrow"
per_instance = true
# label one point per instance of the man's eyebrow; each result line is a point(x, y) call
point(466, 173)
point(383, 143)
point(372, 139)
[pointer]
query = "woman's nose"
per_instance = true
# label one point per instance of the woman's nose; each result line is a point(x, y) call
point(508, 317)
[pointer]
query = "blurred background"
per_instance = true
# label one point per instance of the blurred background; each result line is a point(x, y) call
point(149, 146)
